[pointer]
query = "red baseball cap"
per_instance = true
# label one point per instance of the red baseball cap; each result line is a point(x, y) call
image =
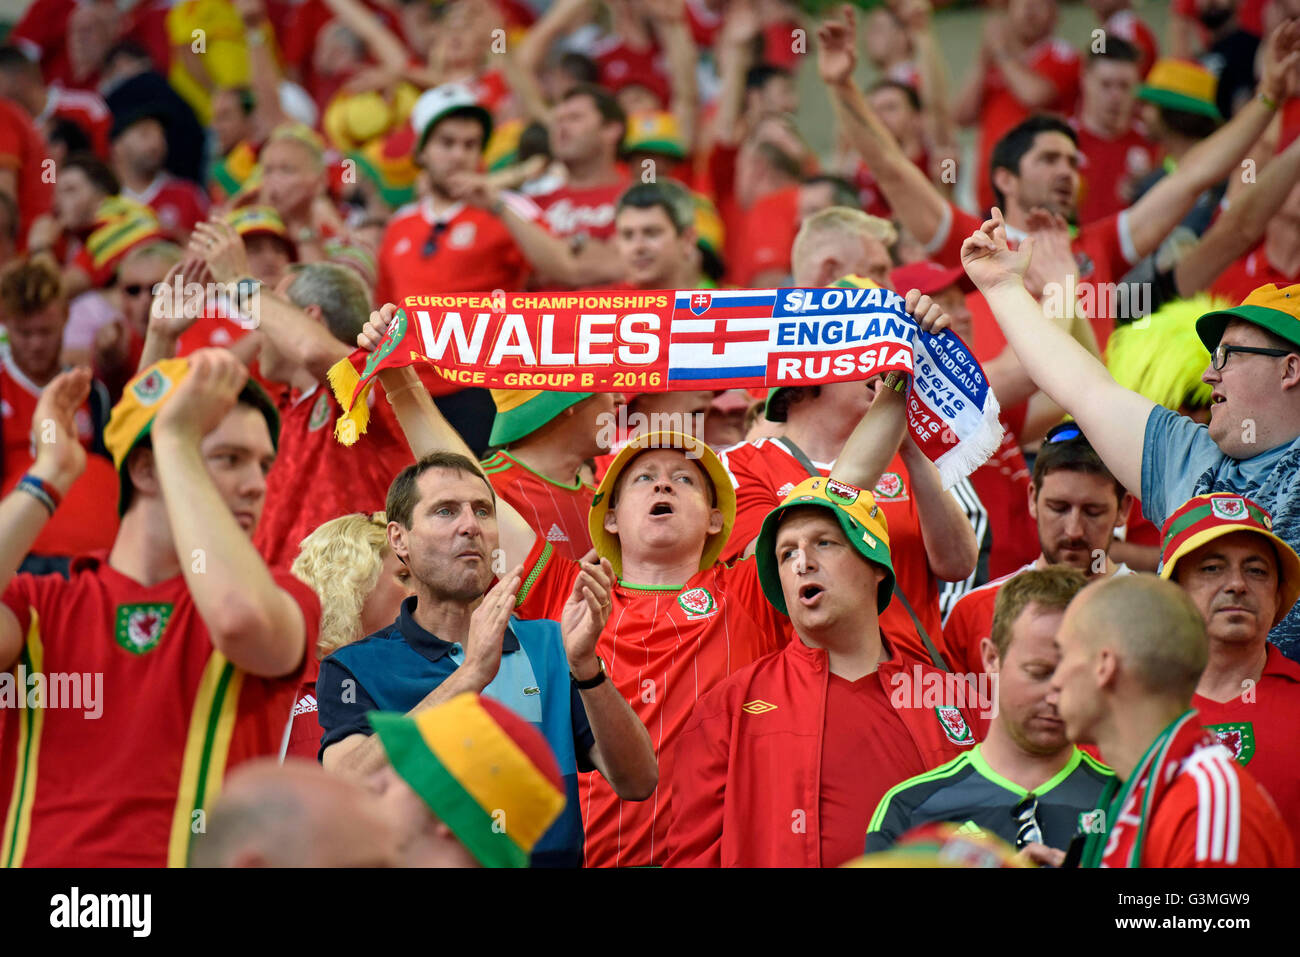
point(929, 277)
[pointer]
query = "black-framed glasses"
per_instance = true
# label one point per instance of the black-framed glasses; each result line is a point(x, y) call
point(1025, 814)
point(1220, 358)
point(431, 244)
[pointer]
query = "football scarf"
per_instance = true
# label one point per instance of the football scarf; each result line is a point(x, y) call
point(665, 341)
point(1131, 810)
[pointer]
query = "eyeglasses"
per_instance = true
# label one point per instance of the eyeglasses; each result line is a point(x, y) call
point(136, 289)
point(1065, 432)
point(431, 244)
point(1221, 354)
point(1025, 815)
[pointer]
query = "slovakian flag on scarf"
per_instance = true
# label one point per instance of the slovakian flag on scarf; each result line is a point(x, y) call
point(666, 341)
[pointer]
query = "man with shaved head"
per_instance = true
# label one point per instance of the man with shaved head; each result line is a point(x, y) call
point(1132, 652)
point(294, 815)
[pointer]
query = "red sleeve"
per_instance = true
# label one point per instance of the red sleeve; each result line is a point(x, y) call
point(548, 582)
point(960, 648)
point(44, 25)
point(722, 171)
point(1061, 69)
point(755, 497)
point(960, 227)
point(699, 784)
point(309, 604)
point(1189, 811)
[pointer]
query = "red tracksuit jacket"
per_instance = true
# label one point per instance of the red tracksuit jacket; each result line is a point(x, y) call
point(743, 765)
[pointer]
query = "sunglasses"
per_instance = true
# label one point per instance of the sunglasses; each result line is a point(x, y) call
point(431, 244)
point(1220, 358)
point(136, 289)
point(1065, 432)
point(1025, 814)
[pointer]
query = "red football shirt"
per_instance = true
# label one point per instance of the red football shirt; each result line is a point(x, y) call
point(23, 150)
point(83, 107)
point(766, 471)
point(589, 211)
point(178, 203)
point(1262, 730)
point(970, 621)
point(866, 750)
point(1002, 483)
point(1054, 60)
point(1103, 251)
point(1107, 167)
point(120, 770)
point(472, 251)
point(663, 648)
point(1215, 815)
point(557, 512)
point(316, 478)
point(1247, 274)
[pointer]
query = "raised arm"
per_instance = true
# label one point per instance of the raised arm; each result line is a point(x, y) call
point(1113, 417)
point(427, 431)
point(560, 18)
point(299, 340)
point(915, 201)
point(669, 19)
point(60, 461)
point(384, 45)
point(264, 72)
point(1210, 161)
point(252, 621)
point(916, 14)
point(167, 318)
point(1241, 225)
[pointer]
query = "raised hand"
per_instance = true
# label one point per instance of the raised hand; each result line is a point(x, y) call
point(1053, 259)
point(487, 626)
point(837, 48)
point(376, 327)
point(1278, 78)
point(987, 258)
point(586, 612)
point(204, 397)
point(221, 248)
point(167, 313)
point(60, 456)
point(928, 313)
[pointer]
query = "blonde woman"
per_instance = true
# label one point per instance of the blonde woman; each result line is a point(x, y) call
point(361, 585)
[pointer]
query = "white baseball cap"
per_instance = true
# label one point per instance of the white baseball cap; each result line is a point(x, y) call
point(442, 101)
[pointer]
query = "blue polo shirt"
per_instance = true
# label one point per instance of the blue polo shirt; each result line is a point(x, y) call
point(1180, 460)
point(394, 669)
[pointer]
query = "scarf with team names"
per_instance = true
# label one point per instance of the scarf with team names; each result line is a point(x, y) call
point(666, 341)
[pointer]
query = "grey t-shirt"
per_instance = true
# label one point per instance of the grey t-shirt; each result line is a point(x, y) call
point(1179, 460)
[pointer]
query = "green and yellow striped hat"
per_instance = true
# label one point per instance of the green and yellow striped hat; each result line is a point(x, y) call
point(1204, 518)
point(121, 225)
point(521, 412)
point(483, 771)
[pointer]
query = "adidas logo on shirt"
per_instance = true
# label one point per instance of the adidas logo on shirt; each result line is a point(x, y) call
point(305, 705)
point(556, 534)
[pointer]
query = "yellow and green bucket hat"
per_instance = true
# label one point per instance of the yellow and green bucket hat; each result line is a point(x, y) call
point(1275, 308)
point(522, 412)
point(131, 421)
point(1181, 85)
point(859, 516)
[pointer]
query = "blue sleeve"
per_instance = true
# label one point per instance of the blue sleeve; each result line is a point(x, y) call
point(583, 739)
point(1175, 453)
point(342, 704)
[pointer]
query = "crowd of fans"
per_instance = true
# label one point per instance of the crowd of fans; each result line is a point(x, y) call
point(498, 631)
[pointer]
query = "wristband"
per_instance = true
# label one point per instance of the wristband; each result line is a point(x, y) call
point(590, 683)
point(42, 491)
point(1267, 101)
